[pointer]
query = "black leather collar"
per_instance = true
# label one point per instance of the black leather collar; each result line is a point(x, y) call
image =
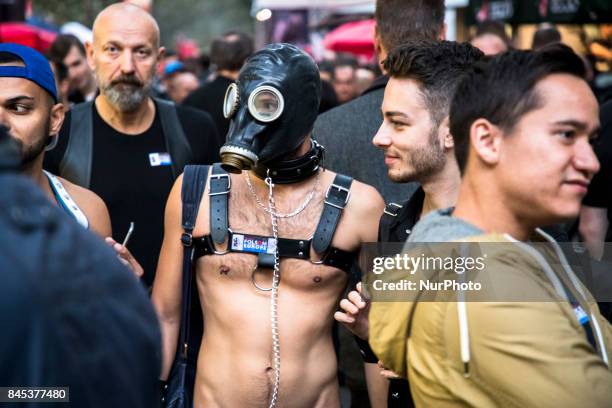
point(295, 170)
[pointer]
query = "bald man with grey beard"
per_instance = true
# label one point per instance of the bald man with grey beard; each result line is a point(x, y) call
point(127, 146)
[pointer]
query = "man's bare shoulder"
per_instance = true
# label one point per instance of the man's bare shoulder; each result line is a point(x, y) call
point(365, 199)
point(85, 199)
point(92, 205)
point(369, 198)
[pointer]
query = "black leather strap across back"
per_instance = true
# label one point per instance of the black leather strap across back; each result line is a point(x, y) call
point(192, 189)
point(336, 198)
point(220, 184)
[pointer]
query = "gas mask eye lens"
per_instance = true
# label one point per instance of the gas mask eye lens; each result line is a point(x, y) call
point(230, 104)
point(266, 104)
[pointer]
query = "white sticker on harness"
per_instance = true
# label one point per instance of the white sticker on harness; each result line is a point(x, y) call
point(237, 242)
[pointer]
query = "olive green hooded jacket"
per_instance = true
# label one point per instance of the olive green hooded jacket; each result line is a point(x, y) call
point(507, 352)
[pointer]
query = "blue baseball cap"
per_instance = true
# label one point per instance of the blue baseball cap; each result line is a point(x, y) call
point(173, 67)
point(36, 67)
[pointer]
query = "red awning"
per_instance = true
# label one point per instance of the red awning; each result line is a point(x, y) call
point(25, 34)
point(356, 37)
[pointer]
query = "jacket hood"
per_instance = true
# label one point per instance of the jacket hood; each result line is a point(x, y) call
point(440, 226)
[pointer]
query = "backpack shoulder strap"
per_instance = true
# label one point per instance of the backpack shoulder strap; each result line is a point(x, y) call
point(192, 189)
point(76, 163)
point(176, 141)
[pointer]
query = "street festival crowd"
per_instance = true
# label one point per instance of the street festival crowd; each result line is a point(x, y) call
point(192, 233)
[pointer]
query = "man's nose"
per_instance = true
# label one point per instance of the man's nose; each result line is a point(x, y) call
point(127, 62)
point(381, 138)
point(585, 159)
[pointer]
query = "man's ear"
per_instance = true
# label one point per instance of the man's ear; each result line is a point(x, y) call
point(381, 52)
point(89, 51)
point(485, 140)
point(442, 34)
point(445, 135)
point(56, 119)
point(160, 53)
point(377, 44)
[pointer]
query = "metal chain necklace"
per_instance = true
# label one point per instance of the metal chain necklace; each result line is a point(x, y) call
point(274, 297)
point(274, 215)
point(301, 208)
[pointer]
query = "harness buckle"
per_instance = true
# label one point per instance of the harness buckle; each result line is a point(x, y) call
point(393, 212)
point(218, 177)
point(187, 239)
point(340, 189)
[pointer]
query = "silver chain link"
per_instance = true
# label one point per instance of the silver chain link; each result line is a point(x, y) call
point(301, 208)
point(274, 296)
point(274, 215)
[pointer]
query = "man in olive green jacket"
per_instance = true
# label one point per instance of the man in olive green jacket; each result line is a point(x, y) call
point(522, 124)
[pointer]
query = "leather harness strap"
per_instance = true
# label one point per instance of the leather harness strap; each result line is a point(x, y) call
point(220, 184)
point(335, 200)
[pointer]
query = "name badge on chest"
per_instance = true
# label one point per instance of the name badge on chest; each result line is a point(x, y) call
point(253, 243)
point(160, 159)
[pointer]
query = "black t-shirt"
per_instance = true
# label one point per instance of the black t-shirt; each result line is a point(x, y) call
point(209, 98)
point(133, 177)
point(600, 190)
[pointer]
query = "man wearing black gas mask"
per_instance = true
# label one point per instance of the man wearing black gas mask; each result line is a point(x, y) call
point(273, 240)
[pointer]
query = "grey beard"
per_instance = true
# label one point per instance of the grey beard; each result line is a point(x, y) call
point(128, 99)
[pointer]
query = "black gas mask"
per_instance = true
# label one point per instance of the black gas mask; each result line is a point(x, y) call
point(272, 108)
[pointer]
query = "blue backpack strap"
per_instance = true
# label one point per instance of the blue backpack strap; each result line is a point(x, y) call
point(194, 184)
point(220, 184)
point(76, 163)
point(336, 198)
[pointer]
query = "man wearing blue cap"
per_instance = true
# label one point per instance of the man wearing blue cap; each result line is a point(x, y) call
point(31, 114)
point(179, 81)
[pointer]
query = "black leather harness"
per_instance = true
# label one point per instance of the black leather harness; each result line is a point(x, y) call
point(336, 198)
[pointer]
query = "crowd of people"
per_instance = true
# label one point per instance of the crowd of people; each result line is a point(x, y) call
point(230, 199)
